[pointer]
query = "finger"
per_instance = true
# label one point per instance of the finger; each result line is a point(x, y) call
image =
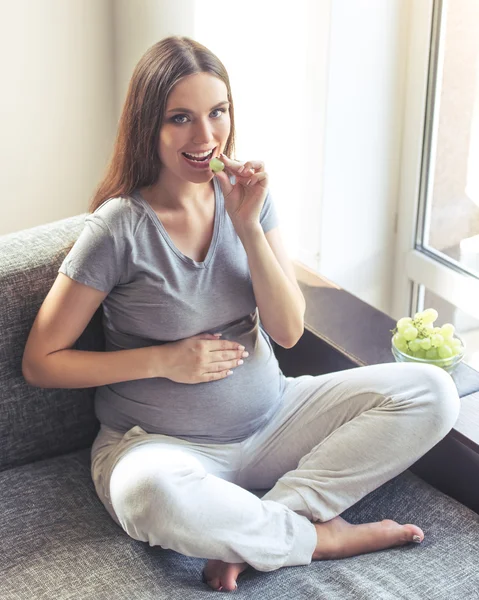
point(224, 355)
point(232, 164)
point(238, 167)
point(208, 336)
point(216, 376)
point(225, 365)
point(226, 345)
point(252, 166)
point(257, 179)
point(226, 184)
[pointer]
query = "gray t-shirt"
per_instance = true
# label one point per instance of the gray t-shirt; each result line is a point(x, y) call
point(156, 295)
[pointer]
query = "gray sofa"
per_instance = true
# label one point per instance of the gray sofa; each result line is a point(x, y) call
point(58, 542)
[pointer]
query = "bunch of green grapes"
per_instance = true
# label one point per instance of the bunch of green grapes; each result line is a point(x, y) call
point(420, 339)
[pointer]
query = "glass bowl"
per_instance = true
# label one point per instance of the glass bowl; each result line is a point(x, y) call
point(448, 364)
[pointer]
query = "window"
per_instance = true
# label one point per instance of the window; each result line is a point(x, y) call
point(438, 237)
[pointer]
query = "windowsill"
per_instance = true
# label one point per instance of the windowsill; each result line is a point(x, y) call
point(347, 324)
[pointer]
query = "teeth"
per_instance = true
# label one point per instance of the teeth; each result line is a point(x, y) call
point(200, 155)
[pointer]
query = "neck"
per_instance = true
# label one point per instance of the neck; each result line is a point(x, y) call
point(172, 193)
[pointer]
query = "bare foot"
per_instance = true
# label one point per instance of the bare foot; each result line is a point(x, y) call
point(338, 539)
point(222, 576)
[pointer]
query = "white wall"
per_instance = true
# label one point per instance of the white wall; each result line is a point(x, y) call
point(364, 123)
point(56, 107)
point(138, 24)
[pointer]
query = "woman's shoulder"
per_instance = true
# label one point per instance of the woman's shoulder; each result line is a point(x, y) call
point(122, 213)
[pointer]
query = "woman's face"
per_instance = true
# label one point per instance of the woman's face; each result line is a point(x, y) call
point(196, 121)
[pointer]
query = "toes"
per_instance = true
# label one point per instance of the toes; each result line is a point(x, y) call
point(213, 583)
point(413, 533)
point(229, 585)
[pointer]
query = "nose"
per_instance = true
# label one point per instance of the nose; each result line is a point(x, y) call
point(203, 131)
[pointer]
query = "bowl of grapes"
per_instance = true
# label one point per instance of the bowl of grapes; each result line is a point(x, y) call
point(419, 340)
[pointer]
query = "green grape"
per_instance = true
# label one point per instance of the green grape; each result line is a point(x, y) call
point(429, 315)
point(445, 351)
point(400, 342)
point(418, 316)
point(420, 354)
point(410, 333)
point(447, 330)
point(216, 165)
point(437, 340)
point(403, 324)
point(425, 343)
point(414, 345)
point(423, 328)
point(431, 354)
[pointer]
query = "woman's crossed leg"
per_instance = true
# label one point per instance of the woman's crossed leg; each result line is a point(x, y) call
point(336, 438)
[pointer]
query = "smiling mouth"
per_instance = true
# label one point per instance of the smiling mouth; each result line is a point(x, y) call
point(199, 160)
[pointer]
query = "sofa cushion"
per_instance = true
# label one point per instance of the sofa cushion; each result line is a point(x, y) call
point(58, 541)
point(38, 423)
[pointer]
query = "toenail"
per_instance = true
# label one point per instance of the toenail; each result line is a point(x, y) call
point(416, 539)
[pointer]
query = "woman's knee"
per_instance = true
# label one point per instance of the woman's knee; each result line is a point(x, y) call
point(148, 498)
point(441, 397)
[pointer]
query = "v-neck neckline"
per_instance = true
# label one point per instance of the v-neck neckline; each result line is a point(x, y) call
point(216, 229)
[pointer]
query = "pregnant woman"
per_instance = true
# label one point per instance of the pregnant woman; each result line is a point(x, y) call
point(194, 410)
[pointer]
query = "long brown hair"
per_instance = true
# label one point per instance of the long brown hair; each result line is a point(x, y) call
point(135, 162)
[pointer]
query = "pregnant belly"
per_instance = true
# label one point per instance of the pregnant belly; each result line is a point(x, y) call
point(223, 411)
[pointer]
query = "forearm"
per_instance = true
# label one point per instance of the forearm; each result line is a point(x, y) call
point(82, 369)
point(280, 302)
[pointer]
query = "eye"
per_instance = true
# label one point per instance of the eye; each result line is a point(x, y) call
point(176, 120)
point(220, 110)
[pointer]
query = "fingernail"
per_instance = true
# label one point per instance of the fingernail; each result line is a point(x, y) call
point(240, 362)
point(240, 347)
point(217, 334)
point(241, 169)
point(416, 539)
point(245, 354)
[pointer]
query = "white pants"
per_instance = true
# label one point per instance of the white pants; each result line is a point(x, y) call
point(335, 438)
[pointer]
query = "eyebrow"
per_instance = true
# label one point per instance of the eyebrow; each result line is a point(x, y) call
point(187, 110)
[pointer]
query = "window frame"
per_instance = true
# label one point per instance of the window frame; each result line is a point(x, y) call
point(415, 267)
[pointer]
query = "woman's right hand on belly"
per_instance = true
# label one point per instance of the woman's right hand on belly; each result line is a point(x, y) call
point(199, 359)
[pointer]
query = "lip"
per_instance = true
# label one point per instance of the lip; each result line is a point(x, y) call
point(199, 166)
point(200, 151)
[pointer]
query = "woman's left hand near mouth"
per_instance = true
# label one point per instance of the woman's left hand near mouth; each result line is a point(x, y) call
point(243, 200)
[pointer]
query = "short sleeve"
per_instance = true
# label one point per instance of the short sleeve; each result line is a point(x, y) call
point(94, 259)
point(268, 217)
